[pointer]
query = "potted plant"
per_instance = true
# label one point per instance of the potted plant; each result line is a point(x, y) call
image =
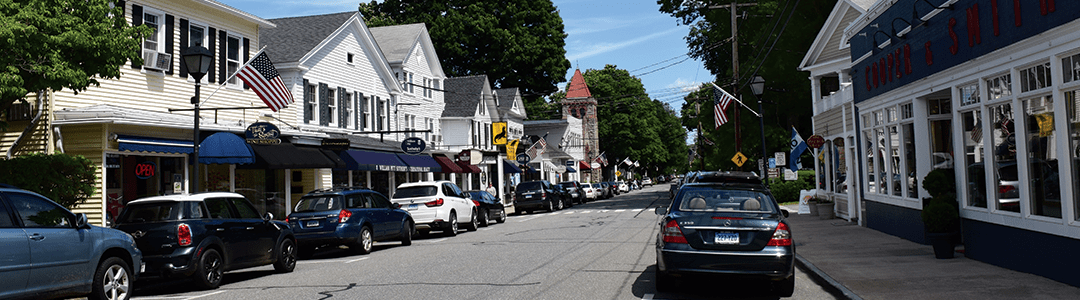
point(940, 214)
point(825, 208)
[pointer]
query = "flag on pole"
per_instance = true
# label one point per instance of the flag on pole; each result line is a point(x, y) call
point(259, 73)
point(636, 164)
point(627, 161)
point(541, 145)
point(601, 159)
point(721, 100)
point(798, 146)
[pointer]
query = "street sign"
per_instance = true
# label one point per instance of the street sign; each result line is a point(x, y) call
point(781, 158)
point(772, 162)
point(498, 129)
point(774, 173)
point(523, 158)
point(569, 163)
point(739, 159)
point(511, 148)
point(815, 141)
point(413, 145)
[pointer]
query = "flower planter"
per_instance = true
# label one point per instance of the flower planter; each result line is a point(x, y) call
point(813, 208)
point(825, 211)
point(942, 243)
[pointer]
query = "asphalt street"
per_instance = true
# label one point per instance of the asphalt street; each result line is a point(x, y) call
point(600, 250)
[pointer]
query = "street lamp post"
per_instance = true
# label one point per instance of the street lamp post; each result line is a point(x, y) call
point(197, 59)
point(758, 86)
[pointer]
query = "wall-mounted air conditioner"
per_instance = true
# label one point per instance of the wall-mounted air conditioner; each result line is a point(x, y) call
point(156, 60)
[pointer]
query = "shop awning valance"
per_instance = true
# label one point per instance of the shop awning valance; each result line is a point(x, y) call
point(584, 166)
point(420, 163)
point(448, 166)
point(339, 163)
point(468, 168)
point(225, 148)
point(288, 156)
point(150, 144)
point(373, 161)
point(510, 167)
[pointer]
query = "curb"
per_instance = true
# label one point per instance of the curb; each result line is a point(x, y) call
point(821, 274)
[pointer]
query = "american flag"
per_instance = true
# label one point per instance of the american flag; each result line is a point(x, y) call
point(976, 131)
point(721, 100)
point(263, 78)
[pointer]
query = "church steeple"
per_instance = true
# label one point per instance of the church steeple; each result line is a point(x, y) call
point(578, 88)
point(580, 103)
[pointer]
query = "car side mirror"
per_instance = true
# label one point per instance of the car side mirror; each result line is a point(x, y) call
point(268, 216)
point(661, 211)
point(81, 222)
point(397, 205)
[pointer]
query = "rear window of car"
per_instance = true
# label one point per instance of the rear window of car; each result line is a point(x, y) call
point(319, 203)
point(714, 199)
point(567, 184)
point(529, 186)
point(416, 191)
point(152, 212)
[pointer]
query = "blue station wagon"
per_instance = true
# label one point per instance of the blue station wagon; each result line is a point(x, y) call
point(353, 217)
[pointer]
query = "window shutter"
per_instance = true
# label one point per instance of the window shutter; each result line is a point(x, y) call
point(324, 103)
point(210, 38)
point(183, 45)
point(343, 108)
point(169, 42)
point(247, 56)
point(360, 103)
point(136, 20)
point(307, 103)
point(223, 53)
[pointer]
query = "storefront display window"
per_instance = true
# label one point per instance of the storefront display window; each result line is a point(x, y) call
point(1072, 104)
point(1035, 77)
point(894, 160)
point(1045, 187)
point(909, 159)
point(265, 189)
point(216, 178)
point(881, 148)
point(973, 158)
point(1005, 170)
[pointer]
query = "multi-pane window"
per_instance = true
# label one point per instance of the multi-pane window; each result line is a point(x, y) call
point(890, 153)
point(381, 113)
point(1000, 86)
point(1045, 187)
point(331, 106)
point(1070, 68)
point(365, 112)
point(411, 85)
point(430, 127)
point(233, 57)
point(1035, 77)
point(969, 94)
point(939, 106)
point(974, 151)
point(311, 103)
point(1072, 107)
point(153, 40)
point(1006, 173)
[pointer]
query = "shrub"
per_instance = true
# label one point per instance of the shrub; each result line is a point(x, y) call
point(939, 216)
point(67, 180)
point(787, 191)
point(940, 183)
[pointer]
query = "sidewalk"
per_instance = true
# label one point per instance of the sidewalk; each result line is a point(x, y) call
point(867, 264)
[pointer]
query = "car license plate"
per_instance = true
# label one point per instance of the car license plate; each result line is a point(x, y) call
point(312, 224)
point(726, 238)
point(528, 196)
point(413, 207)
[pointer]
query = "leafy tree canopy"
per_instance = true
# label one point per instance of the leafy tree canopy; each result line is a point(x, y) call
point(516, 43)
point(57, 44)
point(67, 180)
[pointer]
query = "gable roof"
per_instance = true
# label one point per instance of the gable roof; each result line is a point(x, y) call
point(463, 94)
point(829, 44)
point(294, 37)
point(397, 41)
point(578, 88)
point(508, 97)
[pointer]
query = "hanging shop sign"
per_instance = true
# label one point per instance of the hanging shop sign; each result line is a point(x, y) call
point(463, 155)
point(815, 141)
point(145, 170)
point(336, 144)
point(413, 145)
point(262, 133)
point(523, 158)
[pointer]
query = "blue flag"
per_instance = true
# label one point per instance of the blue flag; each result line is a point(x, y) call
point(798, 146)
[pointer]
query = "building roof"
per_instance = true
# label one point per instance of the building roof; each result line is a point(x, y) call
point(294, 37)
point(463, 94)
point(397, 41)
point(578, 88)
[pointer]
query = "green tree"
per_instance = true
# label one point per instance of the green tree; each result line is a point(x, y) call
point(66, 179)
point(57, 44)
point(517, 43)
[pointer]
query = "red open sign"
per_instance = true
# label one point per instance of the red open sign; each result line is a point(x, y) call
point(145, 170)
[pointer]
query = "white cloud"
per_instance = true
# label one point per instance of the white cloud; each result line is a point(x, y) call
point(601, 48)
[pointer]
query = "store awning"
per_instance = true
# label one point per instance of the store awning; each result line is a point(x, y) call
point(373, 161)
point(149, 144)
point(339, 163)
point(288, 156)
point(468, 168)
point(420, 163)
point(225, 148)
point(448, 166)
point(571, 169)
point(550, 167)
point(510, 167)
point(584, 166)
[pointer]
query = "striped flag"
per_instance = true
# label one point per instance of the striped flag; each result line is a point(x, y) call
point(263, 78)
point(721, 100)
point(976, 132)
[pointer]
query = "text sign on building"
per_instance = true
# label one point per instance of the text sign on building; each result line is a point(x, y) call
point(498, 131)
point(335, 144)
point(413, 145)
point(262, 133)
point(950, 36)
point(145, 170)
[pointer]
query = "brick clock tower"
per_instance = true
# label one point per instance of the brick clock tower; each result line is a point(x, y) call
point(580, 104)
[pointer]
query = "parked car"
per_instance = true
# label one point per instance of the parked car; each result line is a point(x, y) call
point(564, 194)
point(535, 195)
point(646, 181)
point(354, 217)
point(1009, 187)
point(204, 235)
point(437, 205)
point(50, 252)
point(605, 190)
point(490, 208)
point(727, 223)
point(623, 187)
point(614, 187)
point(574, 187)
point(590, 191)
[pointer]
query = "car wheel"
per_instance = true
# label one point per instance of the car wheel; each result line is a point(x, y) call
point(112, 280)
point(210, 269)
point(551, 206)
point(502, 216)
point(451, 226)
point(559, 206)
point(406, 234)
point(663, 282)
point(483, 219)
point(473, 223)
point(364, 241)
point(286, 260)
point(784, 288)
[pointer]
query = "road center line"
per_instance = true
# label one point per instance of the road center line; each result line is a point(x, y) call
point(210, 294)
point(529, 218)
point(438, 240)
point(356, 260)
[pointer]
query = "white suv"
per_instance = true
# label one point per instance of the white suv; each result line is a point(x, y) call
point(437, 205)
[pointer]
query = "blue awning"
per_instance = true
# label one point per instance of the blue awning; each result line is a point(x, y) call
point(420, 163)
point(510, 167)
point(571, 169)
point(373, 161)
point(150, 144)
point(225, 148)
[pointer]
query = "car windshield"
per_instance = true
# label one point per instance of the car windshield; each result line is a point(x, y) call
point(151, 212)
point(416, 191)
point(567, 184)
point(529, 186)
point(720, 199)
point(318, 203)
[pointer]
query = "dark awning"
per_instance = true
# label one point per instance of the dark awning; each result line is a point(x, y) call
point(288, 156)
point(373, 161)
point(584, 166)
point(510, 167)
point(448, 166)
point(571, 169)
point(225, 148)
point(468, 168)
point(150, 144)
point(339, 164)
point(420, 163)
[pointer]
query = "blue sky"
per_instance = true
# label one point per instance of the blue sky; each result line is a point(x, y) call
point(634, 36)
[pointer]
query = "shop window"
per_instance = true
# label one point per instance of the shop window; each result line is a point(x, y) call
point(908, 131)
point(939, 106)
point(1035, 77)
point(1000, 86)
point(969, 94)
point(890, 114)
point(1005, 171)
point(895, 174)
point(1072, 104)
point(881, 174)
point(1070, 68)
point(871, 152)
point(905, 111)
point(1045, 187)
point(973, 158)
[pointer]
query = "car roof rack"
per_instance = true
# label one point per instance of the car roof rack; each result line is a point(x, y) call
point(727, 177)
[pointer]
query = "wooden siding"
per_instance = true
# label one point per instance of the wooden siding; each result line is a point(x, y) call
point(832, 50)
point(89, 141)
point(831, 122)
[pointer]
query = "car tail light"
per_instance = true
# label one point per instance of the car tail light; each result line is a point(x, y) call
point(1005, 189)
point(344, 216)
point(476, 202)
point(437, 202)
point(673, 234)
point(183, 235)
point(781, 237)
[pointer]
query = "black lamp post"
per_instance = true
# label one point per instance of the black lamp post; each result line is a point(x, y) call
point(758, 86)
point(197, 59)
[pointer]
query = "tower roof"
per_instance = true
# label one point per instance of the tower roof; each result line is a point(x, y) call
point(578, 88)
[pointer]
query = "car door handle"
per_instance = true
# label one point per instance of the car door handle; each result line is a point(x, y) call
point(251, 228)
point(220, 229)
point(37, 237)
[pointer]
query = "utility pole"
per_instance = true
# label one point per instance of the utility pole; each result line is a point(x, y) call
point(734, 7)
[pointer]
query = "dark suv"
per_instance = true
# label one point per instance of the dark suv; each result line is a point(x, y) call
point(576, 192)
point(354, 217)
point(535, 195)
point(203, 235)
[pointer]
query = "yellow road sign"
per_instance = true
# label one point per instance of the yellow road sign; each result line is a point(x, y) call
point(617, 173)
point(739, 159)
point(498, 129)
